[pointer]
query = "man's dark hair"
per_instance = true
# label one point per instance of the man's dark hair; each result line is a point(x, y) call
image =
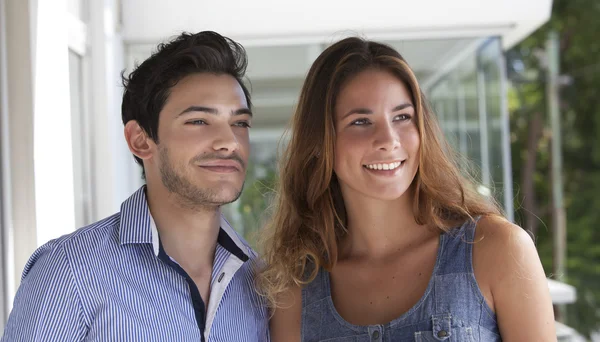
point(148, 86)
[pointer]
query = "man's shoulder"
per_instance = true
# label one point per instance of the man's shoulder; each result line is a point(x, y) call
point(89, 235)
point(61, 249)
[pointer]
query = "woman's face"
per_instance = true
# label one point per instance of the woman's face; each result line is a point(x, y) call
point(377, 139)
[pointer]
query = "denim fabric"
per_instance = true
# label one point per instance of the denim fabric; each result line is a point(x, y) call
point(452, 308)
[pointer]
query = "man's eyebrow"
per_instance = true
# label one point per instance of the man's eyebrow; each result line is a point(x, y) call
point(243, 111)
point(214, 111)
point(208, 110)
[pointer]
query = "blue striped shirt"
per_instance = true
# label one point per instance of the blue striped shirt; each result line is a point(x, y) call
point(112, 281)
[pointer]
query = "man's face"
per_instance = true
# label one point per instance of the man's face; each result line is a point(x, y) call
point(203, 140)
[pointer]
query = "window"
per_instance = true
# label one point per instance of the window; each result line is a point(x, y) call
point(470, 105)
point(80, 119)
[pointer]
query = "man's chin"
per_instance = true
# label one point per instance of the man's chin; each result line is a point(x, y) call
point(225, 197)
point(230, 199)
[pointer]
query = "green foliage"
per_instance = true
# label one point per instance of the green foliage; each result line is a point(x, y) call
point(577, 23)
point(257, 197)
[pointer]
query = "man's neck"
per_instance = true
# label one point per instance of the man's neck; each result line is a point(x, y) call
point(188, 236)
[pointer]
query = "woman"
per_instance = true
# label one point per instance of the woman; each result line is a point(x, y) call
point(377, 235)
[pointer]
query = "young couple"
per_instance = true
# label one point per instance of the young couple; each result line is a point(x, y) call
point(376, 235)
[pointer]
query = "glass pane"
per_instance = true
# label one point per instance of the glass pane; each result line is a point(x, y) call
point(471, 116)
point(468, 102)
point(490, 71)
point(455, 103)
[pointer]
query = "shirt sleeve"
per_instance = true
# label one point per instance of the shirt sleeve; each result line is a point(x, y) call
point(47, 306)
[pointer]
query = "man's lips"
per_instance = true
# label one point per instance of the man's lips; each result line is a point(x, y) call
point(222, 165)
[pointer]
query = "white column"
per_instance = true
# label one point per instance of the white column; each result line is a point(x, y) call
point(17, 103)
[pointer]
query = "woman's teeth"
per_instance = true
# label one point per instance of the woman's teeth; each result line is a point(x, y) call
point(384, 166)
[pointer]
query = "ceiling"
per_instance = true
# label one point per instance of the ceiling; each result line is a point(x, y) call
point(276, 73)
point(273, 22)
point(282, 41)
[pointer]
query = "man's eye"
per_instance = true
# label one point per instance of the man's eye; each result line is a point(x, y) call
point(196, 122)
point(244, 124)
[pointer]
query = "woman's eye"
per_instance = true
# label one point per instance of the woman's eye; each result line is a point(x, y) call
point(359, 122)
point(402, 117)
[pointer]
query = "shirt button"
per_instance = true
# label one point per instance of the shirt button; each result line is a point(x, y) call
point(442, 333)
point(221, 277)
point(375, 334)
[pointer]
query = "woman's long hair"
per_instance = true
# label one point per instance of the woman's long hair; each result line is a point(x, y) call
point(309, 215)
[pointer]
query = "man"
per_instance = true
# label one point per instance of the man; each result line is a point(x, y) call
point(167, 267)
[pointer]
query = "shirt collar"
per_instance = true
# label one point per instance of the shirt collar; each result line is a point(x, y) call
point(138, 227)
point(135, 226)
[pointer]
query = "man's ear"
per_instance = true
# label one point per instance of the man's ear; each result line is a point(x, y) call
point(140, 144)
